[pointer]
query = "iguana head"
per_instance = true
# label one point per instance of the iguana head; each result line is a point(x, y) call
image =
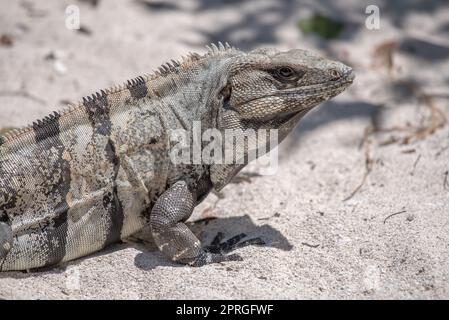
point(267, 88)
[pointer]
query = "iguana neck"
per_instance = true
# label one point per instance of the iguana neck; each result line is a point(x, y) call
point(194, 94)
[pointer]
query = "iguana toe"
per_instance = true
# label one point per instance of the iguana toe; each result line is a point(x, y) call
point(207, 257)
point(218, 250)
point(217, 246)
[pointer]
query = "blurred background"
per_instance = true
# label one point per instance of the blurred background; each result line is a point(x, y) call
point(361, 196)
point(44, 63)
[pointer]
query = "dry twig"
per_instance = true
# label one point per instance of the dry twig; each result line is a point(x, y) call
point(393, 214)
point(445, 183)
point(310, 245)
point(368, 161)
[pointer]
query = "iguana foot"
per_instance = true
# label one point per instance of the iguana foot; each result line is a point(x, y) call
point(217, 251)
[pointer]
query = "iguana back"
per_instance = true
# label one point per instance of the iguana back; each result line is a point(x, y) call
point(80, 180)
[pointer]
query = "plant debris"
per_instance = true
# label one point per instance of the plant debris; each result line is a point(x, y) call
point(310, 245)
point(436, 121)
point(84, 30)
point(244, 177)
point(445, 181)
point(441, 151)
point(276, 215)
point(394, 214)
point(368, 161)
point(321, 25)
point(93, 3)
point(383, 55)
point(6, 40)
point(415, 164)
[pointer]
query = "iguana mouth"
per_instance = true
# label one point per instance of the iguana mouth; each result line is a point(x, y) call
point(332, 88)
point(312, 89)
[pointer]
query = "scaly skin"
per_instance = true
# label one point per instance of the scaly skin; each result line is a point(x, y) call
point(99, 171)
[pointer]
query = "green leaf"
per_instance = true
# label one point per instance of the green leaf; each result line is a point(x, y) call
point(321, 25)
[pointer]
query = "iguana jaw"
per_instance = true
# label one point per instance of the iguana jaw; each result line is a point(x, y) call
point(298, 99)
point(328, 88)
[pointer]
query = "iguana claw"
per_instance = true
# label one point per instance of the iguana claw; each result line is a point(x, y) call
point(217, 246)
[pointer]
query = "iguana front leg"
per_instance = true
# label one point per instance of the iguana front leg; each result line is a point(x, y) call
point(171, 234)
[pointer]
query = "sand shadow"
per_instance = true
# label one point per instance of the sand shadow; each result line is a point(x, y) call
point(332, 111)
point(150, 257)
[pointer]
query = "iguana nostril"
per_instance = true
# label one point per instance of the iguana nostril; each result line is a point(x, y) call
point(349, 75)
point(335, 74)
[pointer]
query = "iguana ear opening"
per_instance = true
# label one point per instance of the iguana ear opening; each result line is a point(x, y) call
point(226, 94)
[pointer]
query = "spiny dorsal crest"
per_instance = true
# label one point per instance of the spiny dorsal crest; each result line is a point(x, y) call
point(46, 120)
point(215, 49)
point(137, 84)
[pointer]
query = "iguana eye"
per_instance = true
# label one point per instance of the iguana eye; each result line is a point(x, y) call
point(286, 72)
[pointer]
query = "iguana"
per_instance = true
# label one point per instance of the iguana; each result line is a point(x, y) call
point(100, 171)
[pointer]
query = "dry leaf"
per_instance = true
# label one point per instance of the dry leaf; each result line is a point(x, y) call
point(383, 55)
